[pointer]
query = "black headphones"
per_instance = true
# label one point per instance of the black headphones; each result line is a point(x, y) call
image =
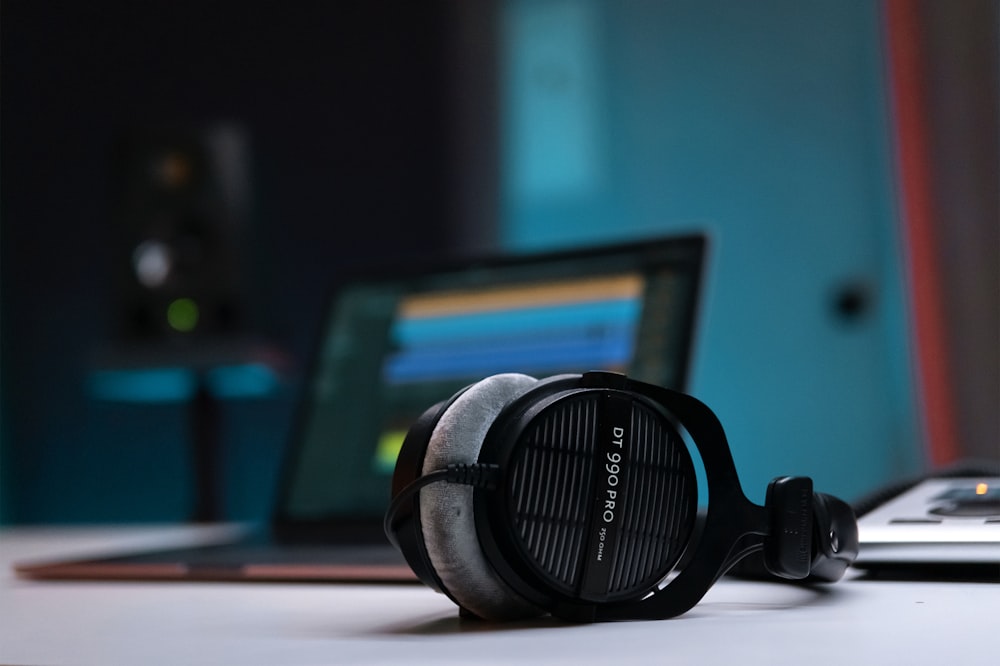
point(577, 496)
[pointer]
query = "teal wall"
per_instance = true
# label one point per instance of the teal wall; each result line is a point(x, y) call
point(767, 125)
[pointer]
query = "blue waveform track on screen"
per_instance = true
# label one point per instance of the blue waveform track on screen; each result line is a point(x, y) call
point(555, 338)
point(470, 359)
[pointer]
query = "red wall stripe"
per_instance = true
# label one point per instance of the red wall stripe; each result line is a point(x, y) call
point(907, 67)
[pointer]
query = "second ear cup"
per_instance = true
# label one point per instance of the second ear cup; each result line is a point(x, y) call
point(446, 512)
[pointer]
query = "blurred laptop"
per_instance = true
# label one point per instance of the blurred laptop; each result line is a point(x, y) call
point(392, 345)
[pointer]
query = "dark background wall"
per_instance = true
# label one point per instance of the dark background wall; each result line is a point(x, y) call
point(345, 109)
point(382, 131)
point(778, 127)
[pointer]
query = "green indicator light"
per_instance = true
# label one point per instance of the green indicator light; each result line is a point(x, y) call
point(182, 315)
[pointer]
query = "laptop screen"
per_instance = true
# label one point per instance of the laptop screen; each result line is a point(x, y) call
point(393, 346)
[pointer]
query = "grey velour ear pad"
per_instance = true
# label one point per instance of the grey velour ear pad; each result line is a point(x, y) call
point(446, 508)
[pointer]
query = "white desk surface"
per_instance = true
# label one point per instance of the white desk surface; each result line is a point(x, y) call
point(853, 622)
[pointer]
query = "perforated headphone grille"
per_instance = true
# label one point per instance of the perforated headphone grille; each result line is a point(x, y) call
point(559, 500)
point(552, 484)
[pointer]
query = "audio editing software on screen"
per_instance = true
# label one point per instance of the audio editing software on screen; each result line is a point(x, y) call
point(544, 328)
point(540, 328)
point(392, 348)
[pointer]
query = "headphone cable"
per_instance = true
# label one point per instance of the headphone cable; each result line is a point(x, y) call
point(477, 475)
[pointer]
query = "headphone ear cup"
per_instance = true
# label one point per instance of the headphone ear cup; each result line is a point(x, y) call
point(446, 513)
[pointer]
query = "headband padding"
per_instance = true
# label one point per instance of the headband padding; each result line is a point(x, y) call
point(446, 514)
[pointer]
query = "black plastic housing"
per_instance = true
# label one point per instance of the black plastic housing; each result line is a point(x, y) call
point(788, 546)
